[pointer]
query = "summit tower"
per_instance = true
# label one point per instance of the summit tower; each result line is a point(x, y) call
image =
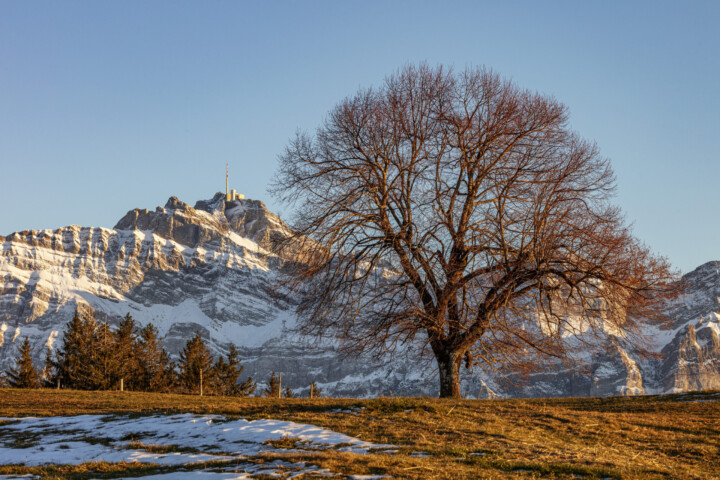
point(230, 195)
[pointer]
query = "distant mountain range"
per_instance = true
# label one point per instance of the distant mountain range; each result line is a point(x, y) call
point(210, 268)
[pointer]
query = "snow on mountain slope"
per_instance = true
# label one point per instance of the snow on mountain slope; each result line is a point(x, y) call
point(211, 268)
point(184, 269)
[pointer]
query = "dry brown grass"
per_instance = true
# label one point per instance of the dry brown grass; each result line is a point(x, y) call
point(675, 436)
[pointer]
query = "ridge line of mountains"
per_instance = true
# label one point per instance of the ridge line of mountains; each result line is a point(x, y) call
point(211, 268)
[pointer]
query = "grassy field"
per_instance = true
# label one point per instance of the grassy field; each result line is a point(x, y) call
point(676, 436)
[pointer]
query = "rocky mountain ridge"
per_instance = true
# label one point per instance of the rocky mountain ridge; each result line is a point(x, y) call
point(211, 268)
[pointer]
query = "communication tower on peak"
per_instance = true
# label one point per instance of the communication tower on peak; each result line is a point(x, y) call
point(230, 195)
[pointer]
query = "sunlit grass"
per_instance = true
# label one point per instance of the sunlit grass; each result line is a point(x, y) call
point(676, 436)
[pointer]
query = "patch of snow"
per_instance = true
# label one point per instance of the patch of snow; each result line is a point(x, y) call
point(630, 391)
point(63, 440)
point(713, 324)
point(51, 339)
point(246, 470)
point(246, 243)
point(73, 453)
point(606, 370)
point(661, 337)
point(255, 336)
point(163, 316)
point(352, 410)
point(421, 454)
point(235, 211)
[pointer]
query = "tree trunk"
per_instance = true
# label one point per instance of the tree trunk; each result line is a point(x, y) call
point(449, 368)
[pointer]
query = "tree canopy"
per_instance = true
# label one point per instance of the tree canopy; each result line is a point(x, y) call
point(96, 357)
point(461, 211)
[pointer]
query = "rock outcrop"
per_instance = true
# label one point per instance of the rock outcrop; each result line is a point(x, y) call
point(692, 360)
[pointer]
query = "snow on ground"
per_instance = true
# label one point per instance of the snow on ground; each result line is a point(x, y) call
point(193, 438)
point(367, 477)
point(695, 397)
point(271, 469)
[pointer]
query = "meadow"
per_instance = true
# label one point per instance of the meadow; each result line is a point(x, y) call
point(670, 436)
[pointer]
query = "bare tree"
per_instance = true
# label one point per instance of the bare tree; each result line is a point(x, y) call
point(461, 211)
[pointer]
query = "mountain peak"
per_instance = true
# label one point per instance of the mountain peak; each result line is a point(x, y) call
point(217, 202)
point(174, 203)
point(208, 220)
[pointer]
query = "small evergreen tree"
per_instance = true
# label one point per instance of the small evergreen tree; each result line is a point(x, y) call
point(226, 375)
point(67, 357)
point(107, 364)
point(230, 375)
point(215, 381)
point(273, 388)
point(288, 393)
point(196, 365)
point(24, 375)
point(78, 364)
point(247, 388)
point(315, 391)
point(125, 354)
point(48, 374)
point(155, 372)
point(167, 379)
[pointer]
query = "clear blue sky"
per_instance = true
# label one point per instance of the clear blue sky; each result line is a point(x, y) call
point(107, 106)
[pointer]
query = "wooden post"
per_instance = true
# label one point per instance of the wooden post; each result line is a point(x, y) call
point(312, 389)
point(122, 385)
point(201, 381)
point(280, 386)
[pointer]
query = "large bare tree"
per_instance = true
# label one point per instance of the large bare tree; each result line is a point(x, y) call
point(461, 211)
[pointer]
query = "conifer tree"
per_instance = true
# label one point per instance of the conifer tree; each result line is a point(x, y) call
point(247, 388)
point(24, 375)
point(213, 384)
point(167, 379)
point(78, 360)
point(196, 365)
point(125, 355)
point(49, 371)
point(273, 388)
point(226, 375)
point(315, 391)
point(288, 393)
point(67, 358)
point(155, 371)
point(107, 365)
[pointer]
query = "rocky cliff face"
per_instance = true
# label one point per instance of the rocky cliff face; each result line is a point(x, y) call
point(183, 268)
point(691, 361)
point(211, 268)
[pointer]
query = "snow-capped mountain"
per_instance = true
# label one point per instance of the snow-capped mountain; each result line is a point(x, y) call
point(210, 268)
